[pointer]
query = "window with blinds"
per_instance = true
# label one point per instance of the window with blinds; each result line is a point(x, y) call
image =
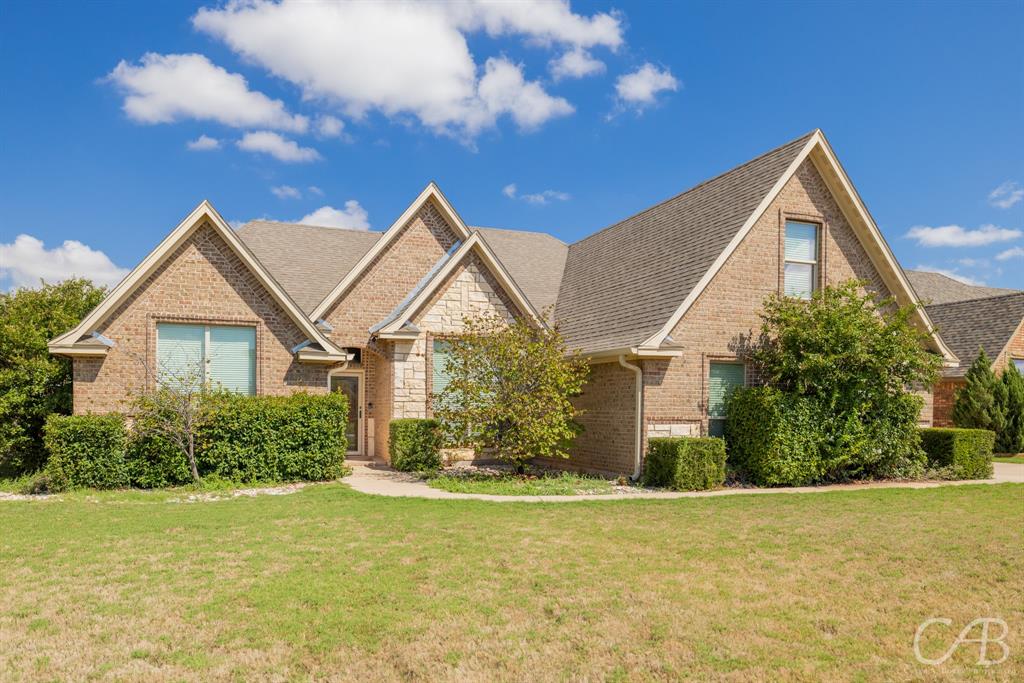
point(440, 378)
point(801, 255)
point(223, 356)
point(722, 379)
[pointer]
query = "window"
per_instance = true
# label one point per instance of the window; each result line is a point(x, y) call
point(440, 377)
point(1019, 362)
point(722, 378)
point(224, 356)
point(801, 269)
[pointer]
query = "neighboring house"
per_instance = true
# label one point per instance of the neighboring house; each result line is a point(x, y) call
point(970, 318)
point(663, 303)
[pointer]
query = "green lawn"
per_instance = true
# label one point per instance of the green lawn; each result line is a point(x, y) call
point(330, 584)
point(511, 484)
point(1019, 458)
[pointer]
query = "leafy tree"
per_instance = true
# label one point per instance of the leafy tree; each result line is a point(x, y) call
point(979, 403)
point(33, 383)
point(509, 390)
point(1011, 438)
point(855, 356)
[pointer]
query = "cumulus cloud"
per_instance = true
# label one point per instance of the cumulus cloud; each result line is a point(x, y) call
point(26, 261)
point(953, 274)
point(421, 63)
point(1012, 252)
point(956, 236)
point(286, 192)
point(576, 63)
point(203, 143)
point(540, 198)
point(640, 88)
point(1006, 195)
point(168, 88)
point(313, 189)
point(330, 127)
point(282, 149)
point(352, 217)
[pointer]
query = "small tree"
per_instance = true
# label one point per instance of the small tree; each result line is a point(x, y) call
point(34, 384)
point(509, 389)
point(1011, 439)
point(979, 403)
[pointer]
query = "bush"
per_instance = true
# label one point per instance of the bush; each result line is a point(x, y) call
point(274, 438)
point(967, 452)
point(155, 462)
point(685, 463)
point(414, 444)
point(85, 451)
point(774, 439)
point(1011, 438)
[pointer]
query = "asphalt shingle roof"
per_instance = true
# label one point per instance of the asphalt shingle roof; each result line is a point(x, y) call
point(971, 324)
point(535, 260)
point(936, 288)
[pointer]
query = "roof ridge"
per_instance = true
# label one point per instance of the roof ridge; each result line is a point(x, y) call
point(520, 232)
point(698, 185)
point(1016, 292)
point(306, 225)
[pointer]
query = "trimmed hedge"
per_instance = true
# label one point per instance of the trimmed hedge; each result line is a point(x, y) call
point(86, 451)
point(414, 444)
point(967, 452)
point(274, 438)
point(685, 463)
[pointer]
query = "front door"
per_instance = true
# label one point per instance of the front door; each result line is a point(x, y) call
point(351, 384)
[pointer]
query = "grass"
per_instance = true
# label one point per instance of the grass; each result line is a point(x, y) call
point(1019, 458)
point(511, 484)
point(331, 584)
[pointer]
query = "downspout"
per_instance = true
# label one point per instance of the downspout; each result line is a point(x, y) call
point(638, 374)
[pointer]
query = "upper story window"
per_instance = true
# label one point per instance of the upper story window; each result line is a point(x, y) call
point(801, 270)
point(223, 356)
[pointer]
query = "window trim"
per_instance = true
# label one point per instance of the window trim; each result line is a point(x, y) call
point(206, 324)
point(708, 362)
point(817, 265)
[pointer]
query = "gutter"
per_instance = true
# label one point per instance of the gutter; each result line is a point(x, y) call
point(638, 375)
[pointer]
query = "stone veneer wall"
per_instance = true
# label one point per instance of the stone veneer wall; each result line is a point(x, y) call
point(203, 281)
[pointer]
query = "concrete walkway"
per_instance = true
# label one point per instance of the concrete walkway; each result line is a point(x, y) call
point(381, 480)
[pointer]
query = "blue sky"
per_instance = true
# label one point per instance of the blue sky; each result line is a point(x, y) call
point(592, 112)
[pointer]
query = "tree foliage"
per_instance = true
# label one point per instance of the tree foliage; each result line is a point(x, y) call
point(1011, 439)
point(854, 356)
point(509, 390)
point(33, 383)
point(980, 402)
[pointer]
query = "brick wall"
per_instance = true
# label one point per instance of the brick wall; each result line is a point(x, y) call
point(943, 397)
point(1013, 349)
point(724, 319)
point(202, 282)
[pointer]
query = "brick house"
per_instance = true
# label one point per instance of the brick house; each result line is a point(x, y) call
point(970, 318)
point(661, 303)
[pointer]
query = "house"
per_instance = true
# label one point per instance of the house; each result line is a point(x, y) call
point(969, 318)
point(662, 303)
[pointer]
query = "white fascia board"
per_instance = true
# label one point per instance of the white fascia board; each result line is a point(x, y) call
point(430, 192)
point(86, 351)
point(637, 352)
point(657, 338)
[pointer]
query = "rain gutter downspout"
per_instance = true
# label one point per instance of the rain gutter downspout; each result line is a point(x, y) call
point(638, 374)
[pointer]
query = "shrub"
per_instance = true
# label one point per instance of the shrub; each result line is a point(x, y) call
point(85, 451)
point(274, 438)
point(979, 404)
point(685, 463)
point(1011, 438)
point(414, 444)
point(967, 452)
point(154, 462)
point(774, 438)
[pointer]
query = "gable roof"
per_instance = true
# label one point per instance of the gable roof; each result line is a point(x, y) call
point(970, 324)
point(307, 260)
point(319, 349)
point(623, 283)
point(535, 260)
point(936, 288)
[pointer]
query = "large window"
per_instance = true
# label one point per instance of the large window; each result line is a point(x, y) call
point(222, 355)
point(722, 378)
point(801, 269)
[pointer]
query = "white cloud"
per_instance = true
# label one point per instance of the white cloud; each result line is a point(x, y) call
point(541, 198)
point(576, 63)
point(313, 189)
point(352, 217)
point(1006, 195)
point(26, 261)
point(286, 192)
point(278, 147)
point(330, 127)
point(203, 143)
point(167, 88)
point(956, 236)
point(421, 63)
point(959, 277)
point(1012, 252)
point(641, 87)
